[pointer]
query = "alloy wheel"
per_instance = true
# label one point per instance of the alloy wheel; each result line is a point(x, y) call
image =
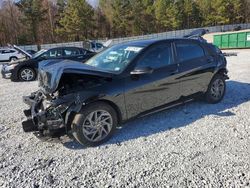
point(27, 74)
point(217, 89)
point(97, 125)
point(13, 59)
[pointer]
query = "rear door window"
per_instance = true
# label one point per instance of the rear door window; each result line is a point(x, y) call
point(188, 51)
point(53, 53)
point(71, 51)
point(157, 56)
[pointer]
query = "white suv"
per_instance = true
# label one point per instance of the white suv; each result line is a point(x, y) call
point(10, 54)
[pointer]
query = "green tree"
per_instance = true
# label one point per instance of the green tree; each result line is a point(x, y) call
point(77, 20)
point(168, 13)
point(43, 21)
point(33, 14)
point(160, 13)
point(118, 13)
point(142, 17)
point(191, 14)
point(121, 15)
point(102, 25)
point(61, 4)
point(219, 12)
point(246, 11)
point(236, 11)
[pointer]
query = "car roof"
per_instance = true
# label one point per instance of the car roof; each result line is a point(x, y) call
point(64, 47)
point(67, 47)
point(145, 43)
point(7, 49)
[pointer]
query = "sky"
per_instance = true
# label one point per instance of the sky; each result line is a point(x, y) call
point(94, 3)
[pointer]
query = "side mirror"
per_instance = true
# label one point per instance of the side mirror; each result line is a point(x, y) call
point(143, 70)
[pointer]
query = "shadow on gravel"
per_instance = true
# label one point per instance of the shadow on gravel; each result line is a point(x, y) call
point(237, 93)
point(73, 145)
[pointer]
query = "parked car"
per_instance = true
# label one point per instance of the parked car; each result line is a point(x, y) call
point(88, 101)
point(10, 54)
point(27, 70)
point(95, 46)
point(31, 51)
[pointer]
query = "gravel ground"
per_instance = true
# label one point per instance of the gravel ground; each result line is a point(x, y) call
point(196, 145)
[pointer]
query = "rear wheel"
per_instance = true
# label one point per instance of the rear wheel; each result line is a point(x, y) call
point(27, 74)
point(216, 89)
point(13, 59)
point(95, 124)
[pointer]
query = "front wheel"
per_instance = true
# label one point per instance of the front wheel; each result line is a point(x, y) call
point(27, 74)
point(216, 89)
point(95, 124)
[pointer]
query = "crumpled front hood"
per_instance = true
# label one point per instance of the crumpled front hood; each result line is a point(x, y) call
point(51, 71)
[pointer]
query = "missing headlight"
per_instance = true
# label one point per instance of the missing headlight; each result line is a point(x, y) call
point(61, 108)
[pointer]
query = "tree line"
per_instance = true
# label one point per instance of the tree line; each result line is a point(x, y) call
point(50, 21)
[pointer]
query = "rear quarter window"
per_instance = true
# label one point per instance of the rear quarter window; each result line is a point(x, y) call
point(213, 50)
point(189, 51)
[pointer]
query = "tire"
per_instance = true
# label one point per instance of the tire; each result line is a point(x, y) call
point(27, 74)
point(91, 133)
point(216, 89)
point(13, 59)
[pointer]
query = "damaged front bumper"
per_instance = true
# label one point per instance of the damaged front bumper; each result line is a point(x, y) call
point(6, 73)
point(44, 118)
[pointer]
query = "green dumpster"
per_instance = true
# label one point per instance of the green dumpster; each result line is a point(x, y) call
point(233, 40)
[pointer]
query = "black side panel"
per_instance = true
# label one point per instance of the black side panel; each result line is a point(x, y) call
point(195, 74)
point(152, 90)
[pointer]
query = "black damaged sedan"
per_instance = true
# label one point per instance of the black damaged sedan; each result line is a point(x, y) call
point(88, 101)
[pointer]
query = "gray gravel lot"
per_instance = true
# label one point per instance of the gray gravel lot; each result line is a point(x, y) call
point(196, 145)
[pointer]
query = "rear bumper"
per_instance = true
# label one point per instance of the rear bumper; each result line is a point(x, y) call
point(43, 122)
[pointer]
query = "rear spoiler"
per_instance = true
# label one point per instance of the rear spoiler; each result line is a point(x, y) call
point(197, 34)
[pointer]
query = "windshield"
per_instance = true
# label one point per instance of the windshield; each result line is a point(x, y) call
point(38, 53)
point(115, 59)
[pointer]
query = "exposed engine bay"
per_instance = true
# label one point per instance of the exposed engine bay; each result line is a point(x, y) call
point(50, 112)
point(71, 83)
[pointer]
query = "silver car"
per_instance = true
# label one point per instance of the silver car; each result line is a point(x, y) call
point(10, 54)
